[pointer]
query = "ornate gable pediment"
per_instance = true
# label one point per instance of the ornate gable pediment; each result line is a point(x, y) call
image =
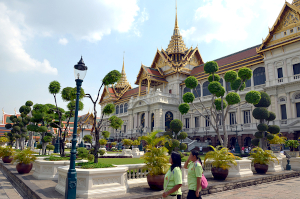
point(288, 18)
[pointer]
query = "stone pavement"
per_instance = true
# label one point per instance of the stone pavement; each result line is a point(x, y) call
point(7, 191)
point(278, 189)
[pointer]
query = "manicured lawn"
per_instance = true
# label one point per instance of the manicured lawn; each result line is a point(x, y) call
point(110, 152)
point(119, 161)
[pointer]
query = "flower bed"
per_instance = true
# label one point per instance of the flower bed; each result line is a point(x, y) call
point(95, 182)
point(116, 156)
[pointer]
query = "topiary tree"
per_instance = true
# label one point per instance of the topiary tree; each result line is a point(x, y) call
point(50, 147)
point(110, 78)
point(221, 102)
point(68, 94)
point(176, 126)
point(18, 128)
point(264, 116)
point(88, 138)
point(105, 134)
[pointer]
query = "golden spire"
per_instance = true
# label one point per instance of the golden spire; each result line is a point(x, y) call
point(296, 3)
point(176, 44)
point(123, 80)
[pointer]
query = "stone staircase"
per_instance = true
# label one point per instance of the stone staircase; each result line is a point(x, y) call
point(194, 143)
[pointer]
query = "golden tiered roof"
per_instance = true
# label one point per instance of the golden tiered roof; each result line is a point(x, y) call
point(122, 83)
point(176, 44)
point(296, 3)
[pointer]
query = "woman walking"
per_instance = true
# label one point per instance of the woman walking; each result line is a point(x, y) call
point(173, 178)
point(194, 166)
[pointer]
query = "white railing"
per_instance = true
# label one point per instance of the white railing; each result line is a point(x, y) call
point(280, 80)
point(297, 76)
point(283, 122)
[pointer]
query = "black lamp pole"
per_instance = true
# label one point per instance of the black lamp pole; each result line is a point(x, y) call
point(71, 181)
point(237, 146)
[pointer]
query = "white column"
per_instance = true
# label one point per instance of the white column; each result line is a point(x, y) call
point(285, 72)
point(288, 106)
point(267, 76)
point(252, 83)
point(135, 124)
point(278, 117)
point(192, 125)
point(147, 119)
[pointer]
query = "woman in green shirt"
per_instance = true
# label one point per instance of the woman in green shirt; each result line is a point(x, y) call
point(194, 175)
point(173, 178)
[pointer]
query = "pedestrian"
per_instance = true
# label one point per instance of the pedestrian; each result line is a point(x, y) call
point(243, 150)
point(233, 149)
point(194, 175)
point(246, 149)
point(173, 178)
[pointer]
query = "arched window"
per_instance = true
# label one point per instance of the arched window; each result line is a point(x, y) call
point(152, 121)
point(186, 89)
point(121, 108)
point(247, 142)
point(143, 120)
point(259, 76)
point(198, 89)
point(117, 109)
point(248, 83)
point(168, 119)
point(125, 108)
point(228, 87)
point(205, 89)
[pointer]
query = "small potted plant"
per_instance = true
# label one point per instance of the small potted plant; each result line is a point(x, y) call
point(102, 143)
point(261, 159)
point(6, 153)
point(24, 158)
point(135, 143)
point(113, 145)
point(127, 143)
point(221, 159)
point(276, 143)
point(293, 144)
point(156, 160)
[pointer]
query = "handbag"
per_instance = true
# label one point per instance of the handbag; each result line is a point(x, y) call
point(204, 182)
point(169, 197)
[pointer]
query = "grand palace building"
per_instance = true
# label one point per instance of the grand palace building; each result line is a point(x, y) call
point(154, 102)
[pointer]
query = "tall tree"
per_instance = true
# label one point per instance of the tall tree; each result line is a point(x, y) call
point(19, 127)
point(111, 78)
point(219, 108)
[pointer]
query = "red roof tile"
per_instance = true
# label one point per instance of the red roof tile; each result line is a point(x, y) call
point(133, 91)
point(153, 71)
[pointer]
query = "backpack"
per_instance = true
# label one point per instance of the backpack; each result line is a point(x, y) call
point(204, 182)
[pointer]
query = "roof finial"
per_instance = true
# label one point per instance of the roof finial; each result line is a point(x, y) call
point(123, 69)
point(176, 22)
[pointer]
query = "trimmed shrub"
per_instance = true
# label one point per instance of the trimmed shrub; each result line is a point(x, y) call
point(259, 135)
point(270, 136)
point(216, 88)
point(274, 129)
point(265, 100)
point(176, 125)
point(111, 77)
point(230, 76)
point(109, 109)
point(218, 104)
point(191, 82)
point(184, 108)
point(232, 98)
point(245, 73)
point(211, 67)
point(253, 97)
point(260, 113)
point(101, 152)
point(105, 134)
point(272, 116)
point(255, 141)
point(188, 97)
point(102, 141)
point(262, 127)
point(183, 146)
point(182, 136)
point(236, 84)
point(214, 77)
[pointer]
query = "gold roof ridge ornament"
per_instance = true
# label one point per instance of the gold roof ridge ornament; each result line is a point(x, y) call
point(176, 44)
point(122, 83)
point(296, 3)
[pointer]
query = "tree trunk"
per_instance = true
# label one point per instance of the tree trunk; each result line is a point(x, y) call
point(225, 133)
point(96, 148)
point(219, 137)
point(17, 143)
point(22, 143)
point(44, 144)
point(30, 141)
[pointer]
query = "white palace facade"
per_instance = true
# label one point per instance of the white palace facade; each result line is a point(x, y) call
point(153, 104)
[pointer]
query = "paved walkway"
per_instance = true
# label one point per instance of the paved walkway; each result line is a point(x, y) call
point(7, 191)
point(279, 189)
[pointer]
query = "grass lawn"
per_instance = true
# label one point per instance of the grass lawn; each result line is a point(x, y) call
point(111, 152)
point(119, 161)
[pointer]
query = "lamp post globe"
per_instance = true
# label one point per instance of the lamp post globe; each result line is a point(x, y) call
point(71, 182)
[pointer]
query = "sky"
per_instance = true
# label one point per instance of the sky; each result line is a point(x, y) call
point(41, 41)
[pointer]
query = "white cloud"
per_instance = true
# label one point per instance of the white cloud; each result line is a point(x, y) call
point(13, 34)
point(63, 41)
point(231, 20)
point(144, 16)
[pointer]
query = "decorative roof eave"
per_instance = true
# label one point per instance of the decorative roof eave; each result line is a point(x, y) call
point(271, 30)
point(105, 91)
point(140, 73)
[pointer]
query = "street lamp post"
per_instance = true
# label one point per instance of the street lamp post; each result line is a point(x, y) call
point(237, 146)
point(71, 182)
